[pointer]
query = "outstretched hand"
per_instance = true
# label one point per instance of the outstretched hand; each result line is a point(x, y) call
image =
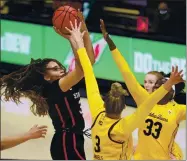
point(106, 36)
point(103, 29)
point(176, 76)
point(76, 35)
point(37, 132)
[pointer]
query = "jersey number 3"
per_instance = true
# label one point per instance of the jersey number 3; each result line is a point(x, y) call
point(156, 133)
point(97, 145)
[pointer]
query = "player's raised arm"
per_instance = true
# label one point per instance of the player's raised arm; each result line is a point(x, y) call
point(76, 75)
point(137, 91)
point(86, 39)
point(73, 77)
point(93, 94)
point(137, 119)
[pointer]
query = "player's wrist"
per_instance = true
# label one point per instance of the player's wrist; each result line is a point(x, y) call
point(27, 136)
point(84, 27)
point(110, 42)
point(171, 81)
point(168, 85)
point(80, 45)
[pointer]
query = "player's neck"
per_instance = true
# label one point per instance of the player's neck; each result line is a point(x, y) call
point(163, 102)
point(113, 116)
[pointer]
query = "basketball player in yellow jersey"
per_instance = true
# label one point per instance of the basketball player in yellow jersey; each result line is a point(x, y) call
point(156, 137)
point(111, 134)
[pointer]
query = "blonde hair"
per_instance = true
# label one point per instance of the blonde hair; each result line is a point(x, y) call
point(159, 75)
point(115, 99)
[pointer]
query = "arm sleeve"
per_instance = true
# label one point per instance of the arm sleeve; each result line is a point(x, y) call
point(137, 91)
point(94, 98)
point(136, 120)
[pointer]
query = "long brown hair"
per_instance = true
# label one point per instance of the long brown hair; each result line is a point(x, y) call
point(29, 82)
point(115, 99)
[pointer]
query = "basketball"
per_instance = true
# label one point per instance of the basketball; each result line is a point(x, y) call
point(62, 17)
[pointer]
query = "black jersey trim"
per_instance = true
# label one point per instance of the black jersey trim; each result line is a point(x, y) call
point(173, 138)
point(109, 131)
point(86, 131)
point(96, 118)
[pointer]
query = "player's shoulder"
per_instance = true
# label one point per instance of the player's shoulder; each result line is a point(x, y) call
point(176, 107)
point(74, 88)
point(52, 88)
point(118, 129)
point(175, 104)
point(77, 86)
point(180, 107)
point(124, 121)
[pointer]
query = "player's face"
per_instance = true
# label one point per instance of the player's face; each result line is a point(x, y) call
point(53, 71)
point(149, 82)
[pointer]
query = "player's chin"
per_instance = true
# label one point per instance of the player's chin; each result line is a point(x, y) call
point(62, 75)
point(149, 90)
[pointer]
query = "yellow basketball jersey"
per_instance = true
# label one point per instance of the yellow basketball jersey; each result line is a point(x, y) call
point(109, 140)
point(154, 123)
point(159, 131)
point(112, 139)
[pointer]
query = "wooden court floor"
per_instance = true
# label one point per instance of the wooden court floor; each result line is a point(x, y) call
point(18, 119)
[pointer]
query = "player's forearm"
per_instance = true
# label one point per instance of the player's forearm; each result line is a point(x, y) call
point(153, 99)
point(92, 90)
point(168, 85)
point(137, 91)
point(91, 83)
point(87, 68)
point(77, 60)
point(79, 71)
point(143, 111)
point(89, 47)
point(9, 142)
point(88, 43)
point(110, 43)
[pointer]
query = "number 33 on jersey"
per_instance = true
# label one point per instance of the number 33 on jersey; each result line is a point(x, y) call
point(159, 129)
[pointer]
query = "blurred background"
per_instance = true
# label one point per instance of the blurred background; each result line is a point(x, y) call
point(151, 34)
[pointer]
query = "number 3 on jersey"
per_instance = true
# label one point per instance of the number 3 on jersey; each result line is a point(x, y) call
point(158, 128)
point(97, 144)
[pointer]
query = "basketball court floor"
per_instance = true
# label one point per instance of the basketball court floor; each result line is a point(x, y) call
point(17, 119)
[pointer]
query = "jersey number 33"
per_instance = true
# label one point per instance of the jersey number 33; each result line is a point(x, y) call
point(153, 128)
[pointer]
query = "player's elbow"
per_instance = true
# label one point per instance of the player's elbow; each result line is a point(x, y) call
point(2, 147)
point(93, 61)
